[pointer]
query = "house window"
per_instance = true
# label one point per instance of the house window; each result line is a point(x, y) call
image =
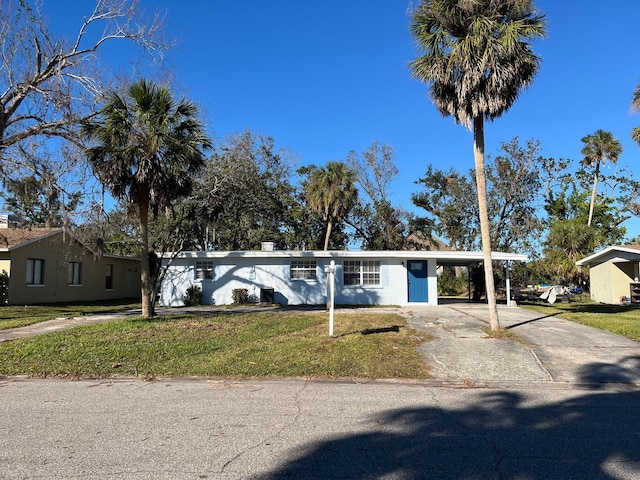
point(35, 271)
point(303, 269)
point(74, 273)
point(108, 277)
point(204, 270)
point(361, 272)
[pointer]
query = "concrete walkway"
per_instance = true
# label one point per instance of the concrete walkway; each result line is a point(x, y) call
point(60, 324)
point(552, 349)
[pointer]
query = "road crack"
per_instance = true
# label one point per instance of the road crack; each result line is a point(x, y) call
point(269, 439)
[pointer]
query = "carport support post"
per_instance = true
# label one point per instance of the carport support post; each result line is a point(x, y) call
point(508, 283)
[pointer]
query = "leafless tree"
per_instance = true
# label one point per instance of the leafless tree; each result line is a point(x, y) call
point(49, 85)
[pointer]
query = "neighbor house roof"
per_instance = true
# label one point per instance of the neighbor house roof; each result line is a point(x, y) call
point(615, 253)
point(11, 238)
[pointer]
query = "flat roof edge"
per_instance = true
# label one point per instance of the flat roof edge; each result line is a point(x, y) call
point(404, 254)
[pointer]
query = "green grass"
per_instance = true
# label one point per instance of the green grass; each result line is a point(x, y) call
point(19, 316)
point(501, 334)
point(284, 344)
point(618, 319)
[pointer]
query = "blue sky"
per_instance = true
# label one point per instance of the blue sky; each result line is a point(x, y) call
point(327, 77)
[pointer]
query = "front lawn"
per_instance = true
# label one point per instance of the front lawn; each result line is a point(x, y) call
point(228, 344)
point(618, 319)
point(13, 316)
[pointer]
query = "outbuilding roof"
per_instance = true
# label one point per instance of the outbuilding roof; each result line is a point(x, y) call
point(616, 253)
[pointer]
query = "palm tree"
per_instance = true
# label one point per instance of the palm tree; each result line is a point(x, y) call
point(598, 148)
point(147, 148)
point(331, 192)
point(635, 104)
point(477, 57)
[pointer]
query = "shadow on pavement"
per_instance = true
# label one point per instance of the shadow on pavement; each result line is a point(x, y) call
point(543, 317)
point(502, 435)
point(627, 370)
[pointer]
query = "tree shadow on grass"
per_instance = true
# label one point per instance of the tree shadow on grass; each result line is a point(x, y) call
point(580, 307)
point(600, 308)
point(500, 434)
point(372, 331)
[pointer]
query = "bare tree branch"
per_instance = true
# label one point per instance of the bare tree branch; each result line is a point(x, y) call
point(49, 86)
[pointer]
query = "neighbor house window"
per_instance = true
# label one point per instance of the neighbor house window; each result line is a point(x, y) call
point(74, 273)
point(303, 269)
point(35, 271)
point(361, 272)
point(204, 270)
point(108, 277)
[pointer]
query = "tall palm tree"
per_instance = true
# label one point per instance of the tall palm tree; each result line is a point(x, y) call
point(598, 148)
point(635, 104)
point(332, 193)
point(477, 57)
point(147, 147)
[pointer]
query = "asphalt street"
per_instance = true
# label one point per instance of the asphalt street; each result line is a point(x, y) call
point(194, 429)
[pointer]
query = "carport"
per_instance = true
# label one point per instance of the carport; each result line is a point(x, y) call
point(468, 259)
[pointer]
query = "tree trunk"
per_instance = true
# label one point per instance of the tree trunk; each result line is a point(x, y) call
point(328, 235)
point(481, 185)
point(145, 271)
point(593, 193)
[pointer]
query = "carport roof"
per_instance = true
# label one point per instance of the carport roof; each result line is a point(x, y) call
point(616, 253)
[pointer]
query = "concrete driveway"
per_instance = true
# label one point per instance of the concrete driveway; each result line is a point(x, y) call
point(552, 349)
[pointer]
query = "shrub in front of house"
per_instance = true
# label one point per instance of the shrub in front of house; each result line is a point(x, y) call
point(240, 296)
point(4, 288)
point(193, 296)
point(450, 284)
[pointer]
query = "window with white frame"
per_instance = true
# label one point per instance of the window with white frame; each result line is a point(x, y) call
point(35, 271)
point(74, 273)
point(303, 270)
point(204, 270)
point(361, 272)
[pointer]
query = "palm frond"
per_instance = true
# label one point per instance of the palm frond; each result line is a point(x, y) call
point(477, 55)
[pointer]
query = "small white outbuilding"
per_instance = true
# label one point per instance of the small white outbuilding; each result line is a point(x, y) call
point(614, 274)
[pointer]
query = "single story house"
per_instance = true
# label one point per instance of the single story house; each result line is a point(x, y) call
point(614, 274)
point(300, 277)
point(50, 265)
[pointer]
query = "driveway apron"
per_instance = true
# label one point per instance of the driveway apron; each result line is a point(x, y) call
point(550, 349)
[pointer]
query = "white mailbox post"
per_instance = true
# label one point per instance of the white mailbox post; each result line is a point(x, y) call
point(331, 282)
point(508, 283)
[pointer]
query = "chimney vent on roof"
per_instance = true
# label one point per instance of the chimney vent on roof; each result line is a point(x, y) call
point(267, 246)
point(8, 221)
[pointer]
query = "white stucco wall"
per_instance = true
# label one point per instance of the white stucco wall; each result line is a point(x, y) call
point(254, 270)
point(600, 283)
point(254, 273)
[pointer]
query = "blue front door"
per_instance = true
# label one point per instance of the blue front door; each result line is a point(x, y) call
point(417, 279)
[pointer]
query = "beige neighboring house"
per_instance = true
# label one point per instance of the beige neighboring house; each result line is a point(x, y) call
point(614, 274)
point(47, 265)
